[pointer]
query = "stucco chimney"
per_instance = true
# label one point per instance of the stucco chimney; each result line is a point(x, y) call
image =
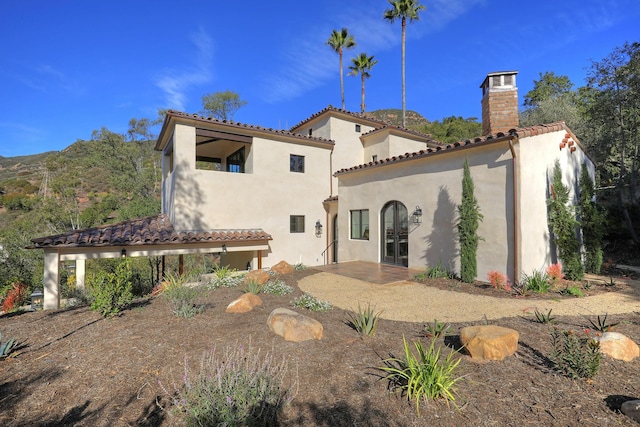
point(499, 102)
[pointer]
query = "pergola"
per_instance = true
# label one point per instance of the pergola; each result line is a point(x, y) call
point(143, 237)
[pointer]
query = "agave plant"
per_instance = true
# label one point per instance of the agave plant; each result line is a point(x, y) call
point(7, 347)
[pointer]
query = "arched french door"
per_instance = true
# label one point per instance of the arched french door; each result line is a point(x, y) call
point(395, 234)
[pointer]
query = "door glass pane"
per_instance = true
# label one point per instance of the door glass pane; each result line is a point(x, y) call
point(403, 235)
point(388, 230)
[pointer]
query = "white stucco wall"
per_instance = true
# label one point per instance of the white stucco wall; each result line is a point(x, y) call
point(435, 184)
point(264, 197)
point(537, 158)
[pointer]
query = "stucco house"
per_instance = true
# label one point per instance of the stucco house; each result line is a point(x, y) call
point(342, 186)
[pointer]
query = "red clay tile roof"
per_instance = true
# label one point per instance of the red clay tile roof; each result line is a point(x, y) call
point(330, 199)
point(519, 133)
point(152, 230)
point(359, 116)
point(408, 131)
point(240, 126)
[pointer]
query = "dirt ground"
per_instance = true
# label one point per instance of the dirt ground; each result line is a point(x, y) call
point(76, 368)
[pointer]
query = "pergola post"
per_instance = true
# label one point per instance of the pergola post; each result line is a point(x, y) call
point(51, 279)
point(80, 269)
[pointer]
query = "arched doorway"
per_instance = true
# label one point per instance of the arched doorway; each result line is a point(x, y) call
point(395, 234)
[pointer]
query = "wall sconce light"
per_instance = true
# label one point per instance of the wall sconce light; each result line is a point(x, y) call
point(417, 215)
point(37, 298)
point(123, 253)
point(318, 228)
point(224, 248)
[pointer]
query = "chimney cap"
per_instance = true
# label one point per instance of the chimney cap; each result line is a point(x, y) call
point(498, 73)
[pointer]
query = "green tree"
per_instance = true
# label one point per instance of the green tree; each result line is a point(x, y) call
point(403, 10)
point(563, 225)
point(222, 105)
point(362, 64)
point(549, 86)
point(339, 40)
point(469, 218)
point(452, 129)
point(140, 130)
point(592, 223)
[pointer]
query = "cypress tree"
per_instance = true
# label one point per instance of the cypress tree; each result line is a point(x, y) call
point(592, 223)
point(468, 223)
point(563, 224)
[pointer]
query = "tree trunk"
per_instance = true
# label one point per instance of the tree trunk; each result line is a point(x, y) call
point(362, 104)
point(341, 80)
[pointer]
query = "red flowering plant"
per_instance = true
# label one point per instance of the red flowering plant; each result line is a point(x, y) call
point(499, 280)
point(16, 296)
point(554, 271)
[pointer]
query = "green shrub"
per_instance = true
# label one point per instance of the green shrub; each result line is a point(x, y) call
point(182, 300)
point(237, 388)
point(424, 376)
point(538, 282)
point(365, 320)
point(276, 287)
point(572, 290)
point(253, 287)
point(225, 277)
point(575, 356)
point(436, 272)
point(111, 291)
point(592, 221)
point(299, 267)
point(311, 303)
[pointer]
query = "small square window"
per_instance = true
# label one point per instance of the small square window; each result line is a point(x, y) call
point(374, 158)
point(296, 163)
point(296, 224)
point(358, 128)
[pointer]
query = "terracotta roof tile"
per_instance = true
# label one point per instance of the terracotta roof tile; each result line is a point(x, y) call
point(153, 230)
point(237, 125)
point(519, 133)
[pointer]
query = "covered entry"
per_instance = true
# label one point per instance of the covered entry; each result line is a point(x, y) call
point(395, 234)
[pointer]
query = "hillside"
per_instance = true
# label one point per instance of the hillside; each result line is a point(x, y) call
point(394, 116)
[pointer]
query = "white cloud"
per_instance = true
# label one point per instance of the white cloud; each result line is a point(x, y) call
point(175, 82)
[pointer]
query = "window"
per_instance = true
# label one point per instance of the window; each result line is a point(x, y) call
point(296, 163)
point(296, 224)
point(208, 163)
point(357, 128)
point(360, 224)
point(310, 132)
point(235, 162)
point(374, 158)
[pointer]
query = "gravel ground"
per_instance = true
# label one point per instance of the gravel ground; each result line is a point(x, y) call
point(416, 302)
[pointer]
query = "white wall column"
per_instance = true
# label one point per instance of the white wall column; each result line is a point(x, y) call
point(80, 274)
point(51, 279)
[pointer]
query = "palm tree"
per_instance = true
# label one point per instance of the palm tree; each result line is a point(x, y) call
point(403, 9)
point(338, 41)
point(362, 64)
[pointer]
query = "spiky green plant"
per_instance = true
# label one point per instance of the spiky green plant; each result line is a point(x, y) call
point(253, 287)
point(365, 320)
point(7, 347)
point(543, 318)
point(436, 329)
point(537, 281)
point(575, 356)
point(601, 325)
point(425, 376)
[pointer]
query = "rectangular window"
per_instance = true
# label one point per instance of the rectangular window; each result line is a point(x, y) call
point(296, 224)
point(310, 132)
point(208, 163)
point(357, 128)
point(374, 158)
point(235, 162)
point(296, 163)
point(360, 224)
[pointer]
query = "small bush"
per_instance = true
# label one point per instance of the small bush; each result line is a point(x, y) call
point(536, 282)
point(237, 388)
point(424, 376)
point(575, 356)
point(311, 303)
point(183, 300)
point(554, 271)
point(16, 297)
point(299, 267)
point(436, 272)
point(365, 320)
point(111, 292)
point(572, 290)
point(225, 277)
point(276, 287)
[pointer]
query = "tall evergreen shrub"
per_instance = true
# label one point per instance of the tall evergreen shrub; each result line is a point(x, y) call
point(563, 225)
point(468, 223)
point(592, 222)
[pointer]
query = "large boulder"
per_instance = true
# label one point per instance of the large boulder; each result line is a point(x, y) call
point(245, 303)
point(489, 342)
point(618, 346)
point(282, 267)
point(631, 408)
point(256, 276)
point(293, 326)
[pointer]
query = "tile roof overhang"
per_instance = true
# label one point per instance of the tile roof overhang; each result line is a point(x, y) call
point(468, 144)
point(406, 133)
point(234, 127)
point(152, 230)
point(344, 114)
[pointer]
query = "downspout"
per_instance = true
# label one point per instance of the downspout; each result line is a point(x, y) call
point(516, 215)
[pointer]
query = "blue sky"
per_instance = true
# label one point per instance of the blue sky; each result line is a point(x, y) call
point(68, 67)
